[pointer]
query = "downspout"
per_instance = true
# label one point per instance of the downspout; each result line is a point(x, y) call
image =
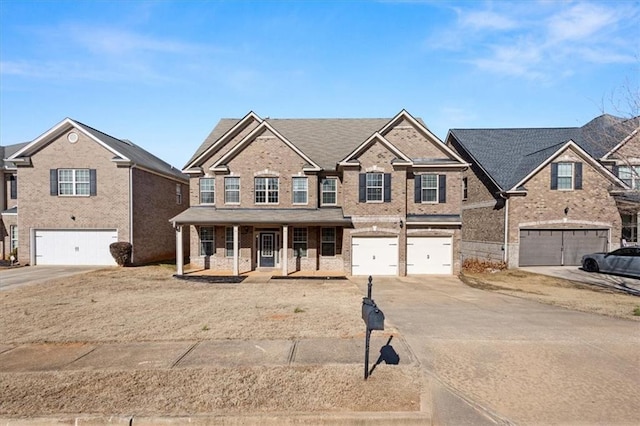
point(506, 231)
point(133, 248)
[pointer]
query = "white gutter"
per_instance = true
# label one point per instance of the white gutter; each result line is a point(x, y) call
point(506, 231)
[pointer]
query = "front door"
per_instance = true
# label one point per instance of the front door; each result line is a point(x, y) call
point(267, 249)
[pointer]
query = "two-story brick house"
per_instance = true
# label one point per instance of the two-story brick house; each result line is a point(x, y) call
point(546, 196)
point(358, 196)
point(79, 189)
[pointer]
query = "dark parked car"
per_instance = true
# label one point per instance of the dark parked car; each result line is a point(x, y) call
point(624, 261)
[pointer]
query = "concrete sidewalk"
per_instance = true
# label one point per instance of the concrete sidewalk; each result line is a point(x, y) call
point(193, 354)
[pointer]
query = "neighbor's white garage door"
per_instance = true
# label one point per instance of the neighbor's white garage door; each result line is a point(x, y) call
point(429, 255)
point(74, 247)
point(374, 256)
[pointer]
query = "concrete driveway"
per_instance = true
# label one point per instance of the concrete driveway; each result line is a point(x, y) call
point(575, 273)
point(500, 359)
point(15, 277)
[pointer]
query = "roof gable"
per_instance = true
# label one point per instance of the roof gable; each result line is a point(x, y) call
point(263, 127)
point(375, 138)
point(124, 151)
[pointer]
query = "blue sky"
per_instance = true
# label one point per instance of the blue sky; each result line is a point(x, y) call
point(162, 73)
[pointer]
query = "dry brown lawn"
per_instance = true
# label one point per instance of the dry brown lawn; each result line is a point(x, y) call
point(556, 291)
point(148, 304)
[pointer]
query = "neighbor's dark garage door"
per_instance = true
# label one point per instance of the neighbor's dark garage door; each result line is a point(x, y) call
point(556, 247)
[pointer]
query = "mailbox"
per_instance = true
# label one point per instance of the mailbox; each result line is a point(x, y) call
point(372, 316)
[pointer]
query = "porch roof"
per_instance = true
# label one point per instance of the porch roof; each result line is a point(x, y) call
point(200, 215)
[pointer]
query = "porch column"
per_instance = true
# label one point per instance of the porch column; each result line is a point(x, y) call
point(285, 250)
point(236, 257)
point(179, 253)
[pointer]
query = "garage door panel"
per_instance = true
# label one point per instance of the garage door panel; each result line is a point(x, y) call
point(429, 255)
point(74, 247)
point(579, 242)
point(374, 256)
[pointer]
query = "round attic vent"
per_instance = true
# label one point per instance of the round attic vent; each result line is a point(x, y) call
point(72, 137)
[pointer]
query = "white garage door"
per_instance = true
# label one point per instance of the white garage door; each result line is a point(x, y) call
point(429, 255)
point(74, 247)
point(374, 256)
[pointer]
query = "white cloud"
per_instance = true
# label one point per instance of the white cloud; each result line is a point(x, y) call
point(487, 20)
point(581, 21)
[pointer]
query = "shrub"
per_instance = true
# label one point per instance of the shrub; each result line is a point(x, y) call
point(480, 266)
point(121, 252)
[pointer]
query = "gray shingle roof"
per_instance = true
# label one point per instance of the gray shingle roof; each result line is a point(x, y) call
point(509, 155)
point(326, 141)
point(8, 151)
point(134, 153)
point(210, 214)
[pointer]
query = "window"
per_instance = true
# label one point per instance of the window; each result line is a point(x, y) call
point(565, 176)
point(328, 242)
point(465, 188)
point(73, 182)
point(630, 176)
point(429, 188)
point(232, 190)
point(300, 192)
point(13, 235)
point(206, 240)
point(630, 228)
point(13, 187)
point(178, 193)
point(300, 242)
point(207, 191)
point(266, 190)
point(374, 186)
point(228, 242)
point(329, 190)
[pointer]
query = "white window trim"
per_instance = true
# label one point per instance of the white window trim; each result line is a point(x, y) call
point(267, 191)
point(367, 186)
point(74, 182)
point(423, 188)
point(634, 175)
point(334, 191)
point(234, 190)
point(213, 191)
point(571, 176)
point(293, 190)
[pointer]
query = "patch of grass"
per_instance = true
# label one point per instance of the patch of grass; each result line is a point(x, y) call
point(298, 310)
point(205, 327)
point(636, 311)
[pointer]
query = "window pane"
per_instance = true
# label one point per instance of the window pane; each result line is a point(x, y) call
point(299, 190)
point(329, 190)
point(374, 186)
point(565, 176)
point(429, 188)
point(229, 242)
point(206, 240)
point(232, 190)
point(207, 190)
point(300, 242)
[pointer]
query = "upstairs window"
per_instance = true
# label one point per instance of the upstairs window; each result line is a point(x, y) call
point(329, 189)
point(430, 188)
point(178, 193)
point(566, 176)
point(266, 190)
point(465, 188)
point(73, 182)
point(375, 188)
point(630, 176)
point(207, 191)
point(300, 190)
point(232, 190)
point(13, 187)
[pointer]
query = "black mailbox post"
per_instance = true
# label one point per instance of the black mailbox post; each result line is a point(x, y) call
point(374, 320)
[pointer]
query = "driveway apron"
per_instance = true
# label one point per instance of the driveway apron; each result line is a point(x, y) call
point(513, 360)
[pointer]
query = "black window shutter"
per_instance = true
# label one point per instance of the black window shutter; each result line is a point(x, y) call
point(93, 183)
point(53, 181)
point(577, 171)
point(362, 189)
point(554, 175)
point(442, 188)
point(417, 188)
point(387, 187)
point(14, 187)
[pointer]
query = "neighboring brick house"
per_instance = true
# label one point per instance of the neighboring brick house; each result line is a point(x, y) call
point(9, 202)
point(357, 196)
point(78, 190)
point(546, 196)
